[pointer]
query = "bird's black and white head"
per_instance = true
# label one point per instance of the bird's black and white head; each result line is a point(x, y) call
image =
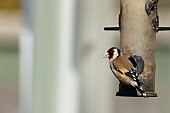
point(112, 53)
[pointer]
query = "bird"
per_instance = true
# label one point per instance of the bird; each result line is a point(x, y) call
point(123, 69)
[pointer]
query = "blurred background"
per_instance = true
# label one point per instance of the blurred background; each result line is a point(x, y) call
point(50, 56)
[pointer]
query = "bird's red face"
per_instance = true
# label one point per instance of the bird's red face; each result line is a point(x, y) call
point(112, 53)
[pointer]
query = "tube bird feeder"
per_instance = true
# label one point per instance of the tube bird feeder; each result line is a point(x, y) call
point(138, 25)
point(138, 37)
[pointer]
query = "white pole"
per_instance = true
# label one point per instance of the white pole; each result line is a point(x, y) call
point(55, 81)
point(68, 81)
point(26, 67)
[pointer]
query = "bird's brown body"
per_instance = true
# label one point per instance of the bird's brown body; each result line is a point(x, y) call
point(123, 64)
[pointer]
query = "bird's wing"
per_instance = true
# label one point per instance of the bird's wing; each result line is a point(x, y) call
point(131, 74)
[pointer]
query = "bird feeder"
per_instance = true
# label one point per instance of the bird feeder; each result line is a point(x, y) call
point(138, 25)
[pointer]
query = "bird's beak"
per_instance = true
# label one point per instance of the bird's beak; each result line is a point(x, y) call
point(105, 55)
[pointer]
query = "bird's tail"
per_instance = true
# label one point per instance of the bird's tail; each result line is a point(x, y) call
point(141, 91)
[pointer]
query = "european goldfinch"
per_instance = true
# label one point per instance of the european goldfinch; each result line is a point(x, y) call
point(123, 69)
